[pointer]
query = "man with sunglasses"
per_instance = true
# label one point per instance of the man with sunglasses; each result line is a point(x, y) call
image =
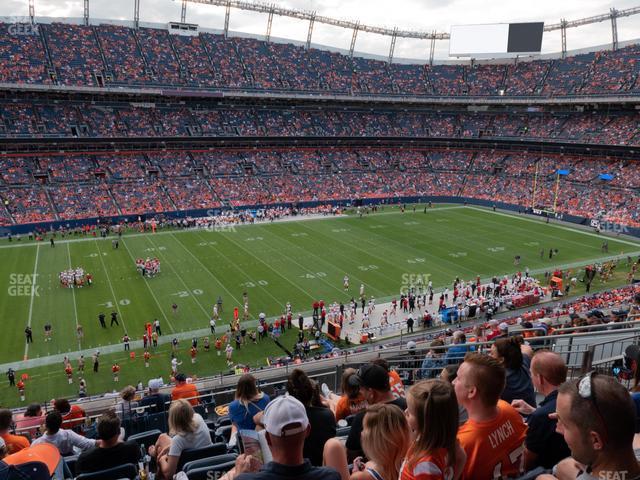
point(596, 416)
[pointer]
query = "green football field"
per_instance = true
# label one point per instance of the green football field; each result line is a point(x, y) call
point(296, 261)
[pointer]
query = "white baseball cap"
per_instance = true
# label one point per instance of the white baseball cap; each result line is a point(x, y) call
point(285, 411)
point(155, 383)
point(503, 326)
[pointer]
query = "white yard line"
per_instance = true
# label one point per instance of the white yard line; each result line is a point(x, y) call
point(257, 257)
point(73, 293)
point(113, 293)
point(204, 310)
point(260, 222)
point(555, 225)
point(238, 302)
point(146, 282)
point(33, 286)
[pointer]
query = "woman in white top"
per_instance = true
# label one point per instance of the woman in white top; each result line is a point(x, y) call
point(63, 439)
point(187, 429)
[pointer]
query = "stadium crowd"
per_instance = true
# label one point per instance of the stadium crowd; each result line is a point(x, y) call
point(106, 185)
point(409, 417)
point(87, 120)
point(110, 55)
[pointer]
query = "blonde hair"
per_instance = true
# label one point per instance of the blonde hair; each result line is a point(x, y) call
point(181, 418)
point(385, 438)
point(437, 417)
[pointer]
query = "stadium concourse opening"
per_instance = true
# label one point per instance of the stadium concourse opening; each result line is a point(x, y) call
point(194, 223)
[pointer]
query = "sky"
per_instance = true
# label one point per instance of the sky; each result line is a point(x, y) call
point(422, 15)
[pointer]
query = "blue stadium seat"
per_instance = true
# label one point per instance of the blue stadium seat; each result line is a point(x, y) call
point(209, 462)
point(191, 454)
point(146, 438)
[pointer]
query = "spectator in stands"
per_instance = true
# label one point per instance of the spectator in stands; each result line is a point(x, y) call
point(374, 383)
point(544, 445)
point(64, 440)
point(321, 419)
point(126, 405)
point(73, 416)
point(516, 358)
point(433, 418)
point(480, 382)
point(456, 353)
point(14, 443)
point(449, 374)
point(596, 416)
point(286, 425)
point(110, 451)
point(29, 423)
point(395, 382)
point(247, 408)
point(351, 401)
point(186, 390)
point(187, 429)
point(385, 440)
point(155, 401)
point(433, 360)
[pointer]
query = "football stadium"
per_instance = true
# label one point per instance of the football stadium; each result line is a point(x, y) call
point(331, 249)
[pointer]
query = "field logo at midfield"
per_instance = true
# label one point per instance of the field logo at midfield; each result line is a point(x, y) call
point(23, 285)
point(414, 282)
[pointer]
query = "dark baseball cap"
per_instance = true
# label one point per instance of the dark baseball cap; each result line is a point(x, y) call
point(373, 376)
point(181, 377)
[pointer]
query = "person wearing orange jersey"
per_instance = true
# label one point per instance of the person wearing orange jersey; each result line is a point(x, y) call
point(218, 345)
point(147, 357)
point(68, 370)
point(20, 386)
point(493, 437)
point(194, 353)
point(115, 369)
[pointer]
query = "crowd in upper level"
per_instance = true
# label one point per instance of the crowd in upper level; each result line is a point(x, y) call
point(110, 55)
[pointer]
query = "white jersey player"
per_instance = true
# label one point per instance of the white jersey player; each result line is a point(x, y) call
point(345, 282)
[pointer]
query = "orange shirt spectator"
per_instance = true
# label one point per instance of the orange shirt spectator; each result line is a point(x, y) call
point(185, 390)
point(72, 416)
point(495, 445)
point(14, 443)
point(349, 406)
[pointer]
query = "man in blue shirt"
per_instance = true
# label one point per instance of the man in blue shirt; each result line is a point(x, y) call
point(544, 446)
point(456, 353)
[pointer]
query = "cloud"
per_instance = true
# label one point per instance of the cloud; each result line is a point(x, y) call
point(422, 15)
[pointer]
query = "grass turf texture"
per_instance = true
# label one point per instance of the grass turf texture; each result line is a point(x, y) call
point(274, 263)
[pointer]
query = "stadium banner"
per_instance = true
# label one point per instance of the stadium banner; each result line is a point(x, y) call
point(495, 39)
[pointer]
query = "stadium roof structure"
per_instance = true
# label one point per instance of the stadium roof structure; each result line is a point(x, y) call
point(312, 17)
